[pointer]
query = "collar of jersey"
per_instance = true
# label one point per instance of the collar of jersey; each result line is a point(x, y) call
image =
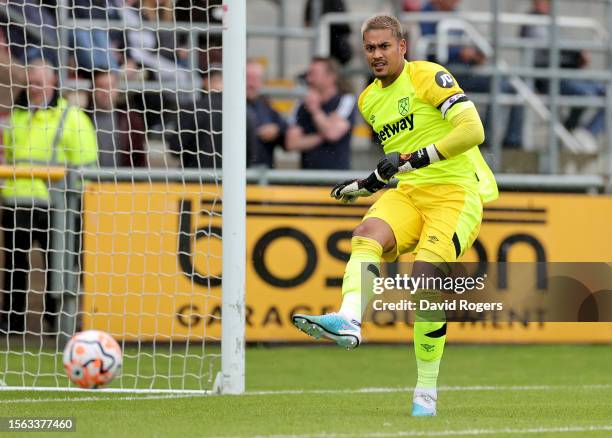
point(396, 81)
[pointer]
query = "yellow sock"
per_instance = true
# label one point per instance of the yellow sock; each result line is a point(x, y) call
point(365, 255)
point(429, 331)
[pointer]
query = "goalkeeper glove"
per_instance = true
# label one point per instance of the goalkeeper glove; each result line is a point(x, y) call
point(348, 191)
point(395, 162)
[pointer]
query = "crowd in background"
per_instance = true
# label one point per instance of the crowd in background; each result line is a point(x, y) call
point(142, 79)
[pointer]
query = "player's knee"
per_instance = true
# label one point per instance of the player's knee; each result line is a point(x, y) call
point(363, 230)
point(378, 230)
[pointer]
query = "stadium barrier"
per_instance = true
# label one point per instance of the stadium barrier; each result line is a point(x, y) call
point(298, 241)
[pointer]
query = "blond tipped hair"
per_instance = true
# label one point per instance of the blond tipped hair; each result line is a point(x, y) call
point(381, 22)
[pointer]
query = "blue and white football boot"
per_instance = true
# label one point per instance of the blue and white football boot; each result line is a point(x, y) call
point(333, 326)
point(424, 402)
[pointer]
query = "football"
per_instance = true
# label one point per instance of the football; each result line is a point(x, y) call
point(92, 359)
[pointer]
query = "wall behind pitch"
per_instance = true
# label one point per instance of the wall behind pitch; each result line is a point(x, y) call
point(153, 259)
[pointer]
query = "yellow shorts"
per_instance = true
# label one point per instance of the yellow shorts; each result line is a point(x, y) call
point(444, 219)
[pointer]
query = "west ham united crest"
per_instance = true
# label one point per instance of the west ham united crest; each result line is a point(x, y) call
point(403, 106)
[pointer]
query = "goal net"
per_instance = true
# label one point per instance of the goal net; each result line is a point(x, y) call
point(112, 189)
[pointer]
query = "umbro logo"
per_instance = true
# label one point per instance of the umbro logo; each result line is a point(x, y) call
point(428, 347)
point(372, 119)
point(433, 239)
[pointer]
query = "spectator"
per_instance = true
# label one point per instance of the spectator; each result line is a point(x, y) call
point(209, 12)
point(12, 76)
point(269, 126)
point(465, 57)
point(197, 142)
point(340, 46)
point(586, 135)
point(120, 132)
point(411, 5)
point(104, 118)
point(322, 125)
point(39, 38)
point(43, 129)
point(93, 46)
point(143, 46)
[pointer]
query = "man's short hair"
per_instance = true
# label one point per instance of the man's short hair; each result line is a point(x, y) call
point(331, 64)
point(381, 22)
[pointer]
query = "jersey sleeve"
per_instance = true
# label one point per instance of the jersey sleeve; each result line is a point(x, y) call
point(436, 86)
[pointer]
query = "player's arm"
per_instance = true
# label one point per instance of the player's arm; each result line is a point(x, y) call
point(467, 132)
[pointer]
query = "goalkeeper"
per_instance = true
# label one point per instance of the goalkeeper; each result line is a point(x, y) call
point(430, 132)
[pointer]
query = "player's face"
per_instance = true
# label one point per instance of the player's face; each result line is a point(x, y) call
point(384, 53)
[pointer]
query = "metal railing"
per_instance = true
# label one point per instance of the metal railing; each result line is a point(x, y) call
point(263, 176)
point(545, 107)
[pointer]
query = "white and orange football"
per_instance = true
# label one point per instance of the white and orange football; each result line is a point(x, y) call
point(92, 359)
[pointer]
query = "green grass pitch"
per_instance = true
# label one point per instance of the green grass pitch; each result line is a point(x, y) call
point(486, 391)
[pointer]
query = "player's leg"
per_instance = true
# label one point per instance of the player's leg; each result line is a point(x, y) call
point(452, 221)
point(373, 239)
point(369, 241)
point(429, 336)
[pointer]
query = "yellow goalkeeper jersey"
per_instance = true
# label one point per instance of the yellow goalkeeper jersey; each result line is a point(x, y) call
point(414, 112)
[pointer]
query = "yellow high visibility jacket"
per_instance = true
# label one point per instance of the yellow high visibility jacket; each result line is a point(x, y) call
point(57, 136)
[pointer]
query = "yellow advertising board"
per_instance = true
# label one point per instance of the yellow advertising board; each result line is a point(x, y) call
point(152, 254)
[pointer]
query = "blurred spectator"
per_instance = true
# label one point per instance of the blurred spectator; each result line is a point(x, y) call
point(322, 125)
point(120, 132)
point(411, 5)
point(39, 38)
point(576, 59)
point(158, 10)
point(269, 126)
point(209, 12)
point(461, 61)
point(197, 142)
point(340, 46)
point(12, 76)
point(93, 46)
point(104, 118)
point(43, 130)
point(143, 46)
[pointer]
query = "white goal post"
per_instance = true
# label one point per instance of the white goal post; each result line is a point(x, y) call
point(234, 199)
point(130, 217)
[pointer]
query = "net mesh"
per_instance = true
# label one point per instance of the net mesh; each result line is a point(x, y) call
point(111, 164)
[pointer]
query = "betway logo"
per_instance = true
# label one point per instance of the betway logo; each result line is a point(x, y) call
point(392, 129)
